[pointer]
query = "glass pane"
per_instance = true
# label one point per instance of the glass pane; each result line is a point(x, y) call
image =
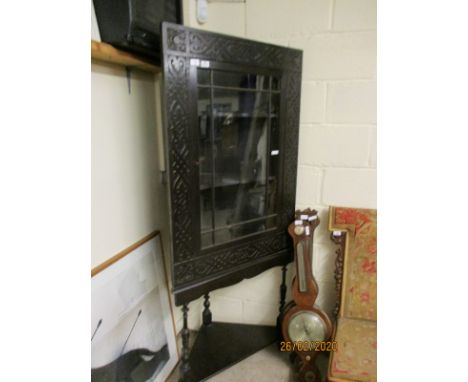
point(231, 232)
point(275, 83)
point(238, 162)
point(240, 80)
point(275, 104)
point(203, 76)
point(274, 155)
point(274, 134)
point(235, 103)
point(205, 160)
point(207, 238)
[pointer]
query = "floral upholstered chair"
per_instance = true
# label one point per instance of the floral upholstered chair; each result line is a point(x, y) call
point(356, 326)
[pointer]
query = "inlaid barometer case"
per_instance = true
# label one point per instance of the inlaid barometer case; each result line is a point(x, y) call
point(231, 129)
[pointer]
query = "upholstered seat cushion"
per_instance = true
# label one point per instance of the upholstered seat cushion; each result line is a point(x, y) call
point(356, 355)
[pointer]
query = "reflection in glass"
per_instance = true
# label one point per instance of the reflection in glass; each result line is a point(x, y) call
point(205, 161)
point(242, 104)
point(240, 80)
point(275, 105)
point(238, 173)
point(275, 83)
point(203, 77)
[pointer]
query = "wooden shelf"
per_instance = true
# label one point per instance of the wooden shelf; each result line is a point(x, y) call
point(107, 53)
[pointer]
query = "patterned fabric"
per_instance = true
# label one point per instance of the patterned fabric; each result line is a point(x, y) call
point(360, 263)
point(356, 355)
point(356, 329)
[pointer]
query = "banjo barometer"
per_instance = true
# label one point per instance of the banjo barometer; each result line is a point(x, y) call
point(305, 327)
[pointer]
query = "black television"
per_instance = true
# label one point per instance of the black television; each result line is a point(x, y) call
point(135, 25)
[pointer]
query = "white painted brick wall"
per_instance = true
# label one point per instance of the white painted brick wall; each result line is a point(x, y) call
point(228, 18)
point(259, 313)
point(338, 56)
point(313, 99)
point(324, 146)
point(349, 187)
point(337, 148)
point(373, 148)
point(309, 182)
point(260, 289)
point(227, 309)
point(284, 19)
point(355, 15)
point(351, 102)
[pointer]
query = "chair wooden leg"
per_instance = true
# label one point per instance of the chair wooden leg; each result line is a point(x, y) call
point(282, 303)
point(283, 289)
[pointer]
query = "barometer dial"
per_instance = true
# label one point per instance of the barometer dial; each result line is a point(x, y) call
point(307, 326)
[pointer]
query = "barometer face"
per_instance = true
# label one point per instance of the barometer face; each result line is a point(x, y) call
point(306, 326)
point(299, 230)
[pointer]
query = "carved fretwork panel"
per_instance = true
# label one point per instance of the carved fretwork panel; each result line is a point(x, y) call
point(180, 157)
point(291, 141)
point(176, 39)
point(196, 265)
point(221, 260)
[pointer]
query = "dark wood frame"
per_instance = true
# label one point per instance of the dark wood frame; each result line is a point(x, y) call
point(197, 271)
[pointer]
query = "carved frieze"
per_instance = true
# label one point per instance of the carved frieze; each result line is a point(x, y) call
point(221, 260)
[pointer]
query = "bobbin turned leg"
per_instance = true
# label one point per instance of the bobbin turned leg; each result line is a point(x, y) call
point(207, 311)
point(338, 238)
point(184, 365)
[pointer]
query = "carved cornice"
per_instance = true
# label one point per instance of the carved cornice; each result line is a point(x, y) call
point(223, 48)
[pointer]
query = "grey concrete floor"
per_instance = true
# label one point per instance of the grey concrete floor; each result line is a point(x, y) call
point(267, 365)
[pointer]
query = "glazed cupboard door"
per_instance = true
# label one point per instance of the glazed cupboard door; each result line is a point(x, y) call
point(232, 119)
point(238, 149)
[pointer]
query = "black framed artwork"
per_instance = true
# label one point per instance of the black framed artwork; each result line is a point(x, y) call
point(132, 327)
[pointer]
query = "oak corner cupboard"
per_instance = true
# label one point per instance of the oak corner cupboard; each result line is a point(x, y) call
point(231, 126)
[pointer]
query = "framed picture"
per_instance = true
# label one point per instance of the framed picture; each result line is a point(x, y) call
point(132, 328)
